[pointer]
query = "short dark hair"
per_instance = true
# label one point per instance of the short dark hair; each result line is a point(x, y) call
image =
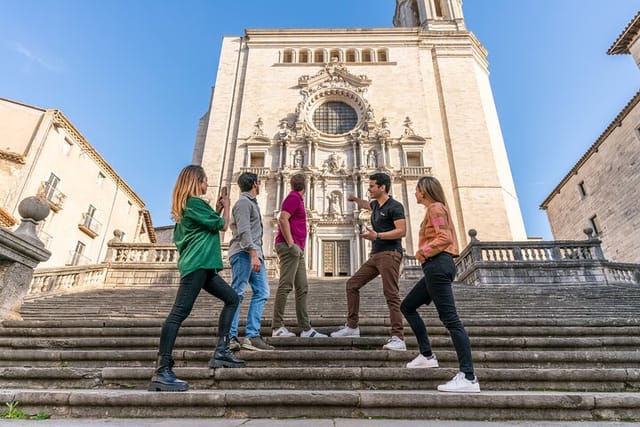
point(298, 182)
point(381, 179)
point(246, 180)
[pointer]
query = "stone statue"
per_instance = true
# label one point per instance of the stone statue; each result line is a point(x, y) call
point(333, 163)
point(408, 129)
point(335, 204)
point(406, 14)
point(284, 133)
point(372, 159)
point(298, 159)
point(257, 128)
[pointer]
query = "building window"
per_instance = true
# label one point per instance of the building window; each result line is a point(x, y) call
point(595, 224)
point(89, 224)
point(287, 58)
point(581, 189)
point(129, 206)
point(638, 132)
point(256, 160)
point(318, 56)
point(50, 187)
point(77, 256)
point(67, 145)
point(100, 179)
point(366, 55)
point(382, 55)
point(414, 159)
point(335, 118)
point(438, 7)
point(351, 55)
point(304, 56)
point(335, 53)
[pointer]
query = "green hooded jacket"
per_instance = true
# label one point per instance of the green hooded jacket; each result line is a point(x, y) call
point(197, 237)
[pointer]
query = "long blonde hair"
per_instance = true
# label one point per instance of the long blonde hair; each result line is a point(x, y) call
point(431, 188)
point(187, 185)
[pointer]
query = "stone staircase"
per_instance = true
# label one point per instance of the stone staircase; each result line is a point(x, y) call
point(542, 352)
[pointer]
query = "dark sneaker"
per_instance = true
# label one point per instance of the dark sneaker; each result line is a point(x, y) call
point(256, 344)
point(234, 344)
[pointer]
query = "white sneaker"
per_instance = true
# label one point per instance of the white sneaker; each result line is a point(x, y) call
point(423, 362)
point(395, 343)
point(282, 332)
point(312, 333)
point(346, 331)
point(459, 384)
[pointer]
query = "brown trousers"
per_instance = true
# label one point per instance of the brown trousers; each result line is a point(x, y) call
point(387, 265)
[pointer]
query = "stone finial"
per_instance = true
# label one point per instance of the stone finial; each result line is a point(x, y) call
point(32, 210)
point(589, 232)
point(473, 233)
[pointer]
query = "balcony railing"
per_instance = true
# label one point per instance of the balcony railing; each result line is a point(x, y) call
point(89, 225)
point(415, 171)
point(260, 171)
point(52, 195)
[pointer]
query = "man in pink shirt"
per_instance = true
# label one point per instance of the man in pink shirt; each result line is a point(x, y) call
point(290, 243)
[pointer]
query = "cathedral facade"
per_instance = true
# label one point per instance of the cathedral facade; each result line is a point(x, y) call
point(341, 104)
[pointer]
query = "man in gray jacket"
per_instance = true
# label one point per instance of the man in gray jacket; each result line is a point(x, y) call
point(247, 263)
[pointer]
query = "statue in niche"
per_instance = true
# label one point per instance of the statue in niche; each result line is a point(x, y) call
point(406, 14)
point(298, 159)
point(335, 204)
point(372, 159)
point(257, 128)
point(408, 130)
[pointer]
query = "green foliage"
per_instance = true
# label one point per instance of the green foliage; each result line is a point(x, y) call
point(14, 413)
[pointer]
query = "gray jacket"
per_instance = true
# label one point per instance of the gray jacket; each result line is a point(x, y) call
point(246, 226)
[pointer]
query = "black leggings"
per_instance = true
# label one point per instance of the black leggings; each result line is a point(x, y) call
point(190, 286)
point(439, 271)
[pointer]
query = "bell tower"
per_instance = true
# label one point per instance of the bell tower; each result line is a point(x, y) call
point(432, 15)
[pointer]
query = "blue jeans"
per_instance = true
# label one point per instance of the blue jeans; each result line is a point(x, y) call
point(243, 276)
point(439, 271)
point(190, 286)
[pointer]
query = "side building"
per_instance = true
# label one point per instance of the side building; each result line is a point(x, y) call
point(341, 104)
point(43, 153)
point(601, 191)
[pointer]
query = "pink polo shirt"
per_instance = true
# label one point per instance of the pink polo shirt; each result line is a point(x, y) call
point(294, 204)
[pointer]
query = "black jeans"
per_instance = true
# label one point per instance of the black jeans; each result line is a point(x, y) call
point(190, 286)
point(439, 272)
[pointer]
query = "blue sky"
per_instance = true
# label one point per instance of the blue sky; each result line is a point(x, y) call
point(135, 76)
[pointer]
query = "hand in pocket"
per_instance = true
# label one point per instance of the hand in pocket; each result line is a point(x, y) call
point(296, 250)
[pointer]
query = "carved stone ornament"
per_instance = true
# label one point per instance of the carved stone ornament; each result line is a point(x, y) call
point(257, 128)
point(408, 130)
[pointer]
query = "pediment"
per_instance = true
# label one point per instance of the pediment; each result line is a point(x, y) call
point(334, 72)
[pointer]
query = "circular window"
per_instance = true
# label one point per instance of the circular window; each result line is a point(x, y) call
point(335, 118)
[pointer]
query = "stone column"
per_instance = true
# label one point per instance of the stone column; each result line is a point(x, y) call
point(20, 253)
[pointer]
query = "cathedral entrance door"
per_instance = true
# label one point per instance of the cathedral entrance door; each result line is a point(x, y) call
point(336, 256)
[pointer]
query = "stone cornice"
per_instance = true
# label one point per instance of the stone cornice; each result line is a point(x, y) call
point(146, 215)
point(594, 148)
point(6, 219)
point(60, 120)
point(626, 38)
point(12, 157)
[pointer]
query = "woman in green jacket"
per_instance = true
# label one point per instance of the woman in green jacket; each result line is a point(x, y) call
point(196, 235)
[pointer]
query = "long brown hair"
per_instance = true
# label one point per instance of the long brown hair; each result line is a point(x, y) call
point(187, 185)
point(431, 188)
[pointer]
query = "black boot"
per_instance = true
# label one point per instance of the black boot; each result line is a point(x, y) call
point(164, 379)
point(224, 357)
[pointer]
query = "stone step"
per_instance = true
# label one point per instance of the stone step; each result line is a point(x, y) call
point(345, 378)
point(325, 358)
point(198, 342)
point(491, 405)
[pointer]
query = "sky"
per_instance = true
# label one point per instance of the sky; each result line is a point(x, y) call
point(135, 76)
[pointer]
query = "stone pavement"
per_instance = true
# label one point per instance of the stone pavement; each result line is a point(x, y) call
point(271, 422)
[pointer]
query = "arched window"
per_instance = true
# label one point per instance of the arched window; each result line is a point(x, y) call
point(438, 8)
point(351, 55)
point(366, 55)
point(318, 55)
point(304, 56)
point(382, 55)
point(287, 57)
point(335, 53)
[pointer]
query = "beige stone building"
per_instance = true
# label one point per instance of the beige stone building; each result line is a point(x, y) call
point(42, 153)
point(601, 191)
point(340, 104)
